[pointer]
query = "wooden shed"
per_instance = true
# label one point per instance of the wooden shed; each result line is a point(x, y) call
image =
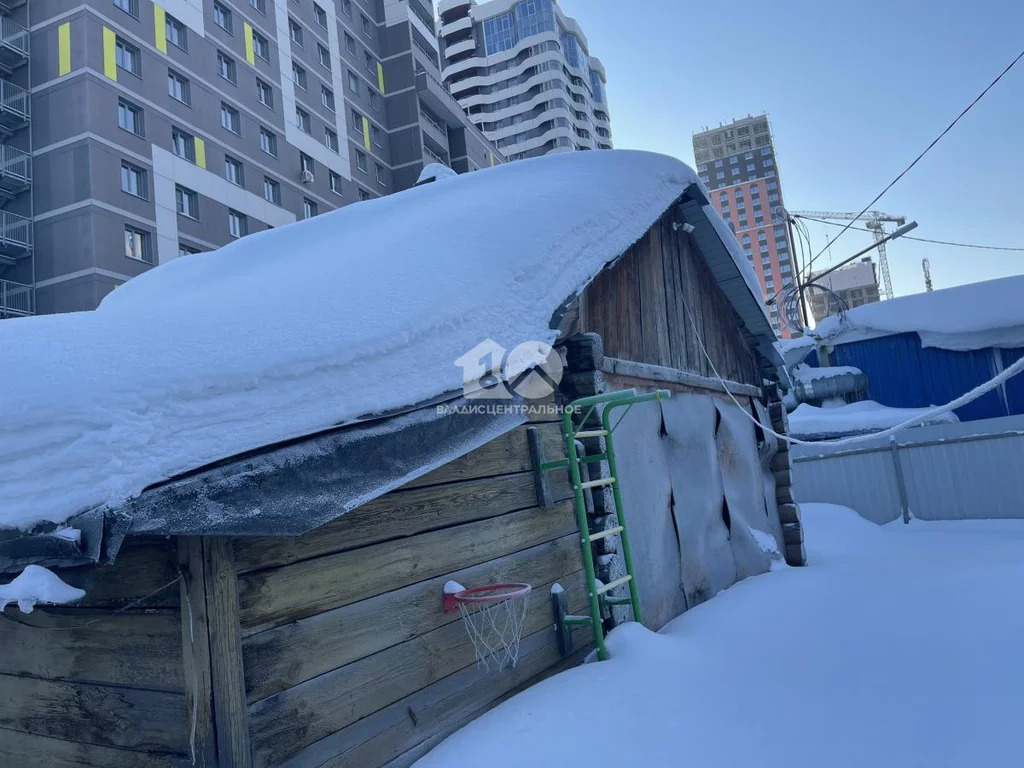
point(283, 606)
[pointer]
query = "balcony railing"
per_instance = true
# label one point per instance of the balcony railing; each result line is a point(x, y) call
point(433, 157)
point(16, 298)
point(15, 232)
point(14, 101)
point(13, 37)
point(15, 164)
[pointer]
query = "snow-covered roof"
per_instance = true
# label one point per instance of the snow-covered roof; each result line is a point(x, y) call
point(973, 316)
point(864, 417)
point(329, 321)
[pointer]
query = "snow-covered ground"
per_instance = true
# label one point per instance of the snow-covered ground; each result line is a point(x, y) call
point(866, 416)
point(897, 646)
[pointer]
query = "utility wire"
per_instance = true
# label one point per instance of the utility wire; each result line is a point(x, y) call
point(923, 239)
point(927, 149)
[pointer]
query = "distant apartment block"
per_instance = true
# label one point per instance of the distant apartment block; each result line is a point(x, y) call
point(524, 73)
point(737, 162)
point(159, 129)
point(855, 284)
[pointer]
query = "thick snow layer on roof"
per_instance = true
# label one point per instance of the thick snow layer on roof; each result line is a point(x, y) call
point(806, 374)
point(974, 316)
point(855, 419)
point(327, 321)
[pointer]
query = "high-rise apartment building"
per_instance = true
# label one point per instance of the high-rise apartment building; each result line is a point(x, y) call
point(522, 69)
point(855, 285)
point(134, 131)
point(737, 163)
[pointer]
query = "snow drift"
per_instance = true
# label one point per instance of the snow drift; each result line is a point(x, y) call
point(324, 322)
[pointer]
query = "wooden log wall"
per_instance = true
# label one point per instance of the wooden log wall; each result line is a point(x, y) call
point(643, 305)
point(83, 686)
point(348, 656)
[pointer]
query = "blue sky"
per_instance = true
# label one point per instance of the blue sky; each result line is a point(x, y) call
point(855, 91)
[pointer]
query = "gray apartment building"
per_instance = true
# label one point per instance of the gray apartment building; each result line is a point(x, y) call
point(134, 132)
point(522, 69)
point(737, 162)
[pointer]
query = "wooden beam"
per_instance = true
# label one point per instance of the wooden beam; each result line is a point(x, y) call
point(195, 644)
point(129, 718)
point(30, 750)
point(228, 681)
point(401, 514)
point(659, 373)
point(285, 656)
point(141, 649)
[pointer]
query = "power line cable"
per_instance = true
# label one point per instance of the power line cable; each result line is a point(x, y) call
point(924, 239)
point(927, 149)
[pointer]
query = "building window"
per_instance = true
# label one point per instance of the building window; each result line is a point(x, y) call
point(335, 181)
point(271, 191)
point(179, 88)
point(176, 32)
point(259, 5)
point(265, 94)
point(128, 57)
point(369, 62)
point(733, 160)
point(380, 174)
point(187, 250)
point(183, 144)
point(137, 245)
point(350, 44)
point(331, 139)
point(346, 6)
point(129, 117)
point(230, 118)
point(734, 171)
point(375, 133)
point(324, 56)
point(309, 208)
point(238, 224)
point(302, 120)
point(187, 202)
point(364, 195)
point(223, 18)
point(367, 29)
point(298, 76)
point(357, 121)
point(327, 97)
point(133, 180)
point(261, 46)
point(226, 67)
point(361, 161)
point(295, 32)
point(720, 175)
point(374, 99)
point(768, 162)
point(130, 7)
point(268, 142)
point(306, 163)
point(233, 171)
point(353, 82)
point(719, 163)
point(320, 15)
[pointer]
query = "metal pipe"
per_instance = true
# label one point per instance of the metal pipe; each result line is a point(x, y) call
point(898, 233)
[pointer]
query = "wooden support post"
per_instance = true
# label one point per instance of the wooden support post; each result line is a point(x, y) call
point(541, 480)
point(212, 645)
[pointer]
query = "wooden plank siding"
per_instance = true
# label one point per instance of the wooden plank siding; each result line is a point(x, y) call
point(659, 302)
point(341, 624)
point(85, 686)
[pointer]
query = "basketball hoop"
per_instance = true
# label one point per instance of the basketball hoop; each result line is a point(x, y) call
point(494, 615)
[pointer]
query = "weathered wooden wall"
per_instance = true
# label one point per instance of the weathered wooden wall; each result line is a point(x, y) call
point(80, 686)
point(642, 308)
point(349, 658)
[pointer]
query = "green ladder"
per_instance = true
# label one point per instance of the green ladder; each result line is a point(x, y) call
point(598, 595)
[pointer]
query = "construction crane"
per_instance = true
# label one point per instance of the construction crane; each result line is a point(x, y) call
point(926, 266)
point(874, 221)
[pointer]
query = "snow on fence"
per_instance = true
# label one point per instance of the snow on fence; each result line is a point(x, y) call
point(961, 471)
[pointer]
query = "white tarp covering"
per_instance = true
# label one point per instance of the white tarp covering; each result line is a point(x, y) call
point(297, 329)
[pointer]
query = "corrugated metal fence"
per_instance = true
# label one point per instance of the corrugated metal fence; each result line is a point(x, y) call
point(972, 470)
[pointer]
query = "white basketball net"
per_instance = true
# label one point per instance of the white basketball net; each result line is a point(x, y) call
point(495, 630)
